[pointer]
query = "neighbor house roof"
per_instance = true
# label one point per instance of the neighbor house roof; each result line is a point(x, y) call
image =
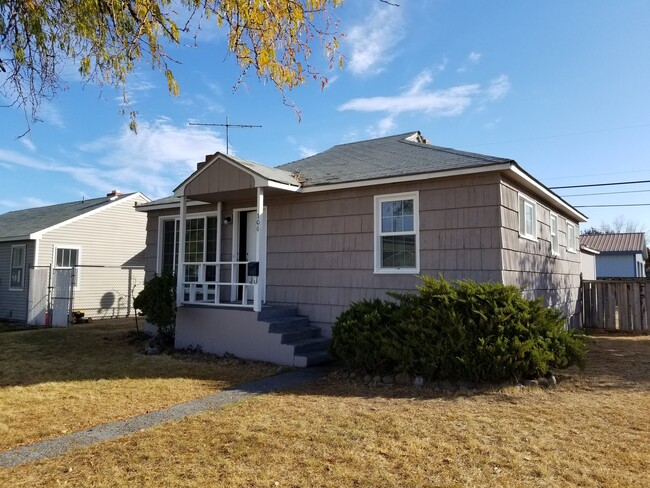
point(625, 242)
point(398, 155)
point(24, 224)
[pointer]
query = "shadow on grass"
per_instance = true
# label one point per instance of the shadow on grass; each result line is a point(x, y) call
point(100, 351)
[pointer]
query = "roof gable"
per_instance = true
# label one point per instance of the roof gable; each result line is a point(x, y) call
point(26, 224)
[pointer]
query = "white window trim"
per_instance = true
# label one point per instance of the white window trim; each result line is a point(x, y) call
point(555, 250)
point(522, 232)
point(176, 218)
point(571, 243)
point(378, 200)
point(11, 266)
point(77, 282)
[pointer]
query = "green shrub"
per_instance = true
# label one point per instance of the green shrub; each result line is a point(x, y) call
point(157, 301)
point(461, 330)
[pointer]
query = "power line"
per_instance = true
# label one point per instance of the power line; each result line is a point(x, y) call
point(600, 184)
point(604, 193)
point(615, 205)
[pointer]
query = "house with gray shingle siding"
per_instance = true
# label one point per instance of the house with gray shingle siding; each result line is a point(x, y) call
point(272, 256)
point(36, 242)
point(620, 255)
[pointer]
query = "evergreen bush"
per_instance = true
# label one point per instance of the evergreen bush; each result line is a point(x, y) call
point(458, 331)
point(157, 301)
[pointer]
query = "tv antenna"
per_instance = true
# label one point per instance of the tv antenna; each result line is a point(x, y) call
point(228, 125)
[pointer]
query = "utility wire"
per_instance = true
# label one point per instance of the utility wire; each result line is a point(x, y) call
point(604, 193)
point(600, 184)
point(614, 205)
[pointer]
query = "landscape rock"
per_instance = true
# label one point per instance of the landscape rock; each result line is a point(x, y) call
point(367, 378)
point(418, 382)
point(531, 383)
point(389, 379)
point(402, 379)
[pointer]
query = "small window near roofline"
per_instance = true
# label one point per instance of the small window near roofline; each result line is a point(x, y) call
point(555, 243)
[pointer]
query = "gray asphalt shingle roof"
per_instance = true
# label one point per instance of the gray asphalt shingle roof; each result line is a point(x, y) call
point(398, 155)
point(22, 223)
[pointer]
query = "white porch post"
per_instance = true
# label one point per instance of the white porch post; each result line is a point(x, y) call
point(217, 295)
point(257, 301)
point(180, 275)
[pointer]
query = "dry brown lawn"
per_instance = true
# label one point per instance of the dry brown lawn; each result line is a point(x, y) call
point(593, 430)
point(54, 381)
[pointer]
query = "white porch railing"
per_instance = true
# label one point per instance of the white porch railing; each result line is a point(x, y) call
point(204, 285)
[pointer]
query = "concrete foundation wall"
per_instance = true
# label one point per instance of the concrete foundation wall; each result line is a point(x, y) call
point(233, 331)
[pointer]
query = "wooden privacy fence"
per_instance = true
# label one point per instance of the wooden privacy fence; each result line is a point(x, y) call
point(615, 305)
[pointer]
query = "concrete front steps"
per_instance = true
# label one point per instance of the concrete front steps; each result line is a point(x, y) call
point(309, 346)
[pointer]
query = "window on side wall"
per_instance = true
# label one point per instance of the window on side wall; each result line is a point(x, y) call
point(555, 244)
point(17, 268)
point(527, 218)
point(397, 240)
point(570, 237)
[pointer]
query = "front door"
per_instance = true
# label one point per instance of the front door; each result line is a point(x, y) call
point(245, 240)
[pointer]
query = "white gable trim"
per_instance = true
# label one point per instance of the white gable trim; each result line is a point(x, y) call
point(119, 201)
point(260, 180)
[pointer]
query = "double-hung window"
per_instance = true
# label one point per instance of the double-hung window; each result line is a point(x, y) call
point(527, 218)
point(17, 268)
point(397, 246)
point(555, 244)
point(570, 237)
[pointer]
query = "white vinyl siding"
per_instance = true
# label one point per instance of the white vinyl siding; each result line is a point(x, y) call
point(527, 218)
point(17, 267)
point(555, 243)
point(397, 239)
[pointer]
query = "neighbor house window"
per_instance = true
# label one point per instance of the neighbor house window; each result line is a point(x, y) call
point(17, 268)
point(527, 218)
point(570, 237)
point(200, 246)
point(397, 246)
point(67, 257)
point(555, 244)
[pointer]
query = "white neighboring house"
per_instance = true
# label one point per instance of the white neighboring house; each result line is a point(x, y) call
point(85, 255)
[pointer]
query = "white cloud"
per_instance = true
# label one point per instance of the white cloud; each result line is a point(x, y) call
point(152, 161)
point(418, 97)
point(371, 42)
point(498, 88)
point(28, 143)
point(24, 202)
point(50, 114)
point(384, 127)
point(305, 151)
point(474, 57)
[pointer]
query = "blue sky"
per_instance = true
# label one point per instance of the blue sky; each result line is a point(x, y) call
point(561, 86)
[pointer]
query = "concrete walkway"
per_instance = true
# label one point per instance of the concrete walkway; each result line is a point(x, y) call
point(105, 432)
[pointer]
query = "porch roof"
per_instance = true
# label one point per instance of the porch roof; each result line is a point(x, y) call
point(259, 176)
